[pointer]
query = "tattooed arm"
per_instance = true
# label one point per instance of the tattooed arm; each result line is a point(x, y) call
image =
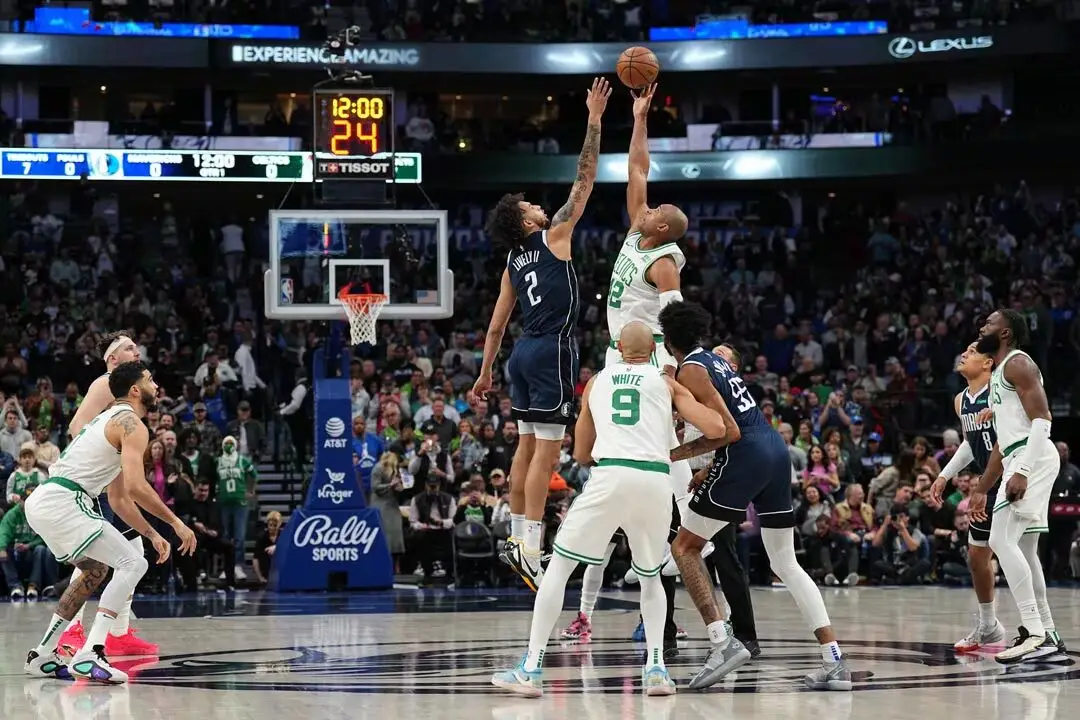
point(564, 220)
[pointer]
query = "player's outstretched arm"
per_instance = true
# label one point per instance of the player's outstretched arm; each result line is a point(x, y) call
point(696, 379)
point(496, 329)
point(97, 398)
point(637, 176)
point(564, 220)
point(585, 430)
point(709, 422)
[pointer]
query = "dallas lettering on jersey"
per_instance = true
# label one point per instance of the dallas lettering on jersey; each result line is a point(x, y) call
point(335, 544)
point(526, 258)
point(970, 423)
point(625, 269)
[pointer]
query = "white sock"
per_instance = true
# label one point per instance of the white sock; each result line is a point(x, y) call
point(987, 616)
point(123, 620)
point(103, 623)
point(517, 526)
point(653, 615)
point(546, 609)
point(830, 652)
point(592, 581)
point(52, 634)
point(533, 531)
point(718, 631)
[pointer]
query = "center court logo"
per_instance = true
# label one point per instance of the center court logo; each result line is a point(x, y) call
point(599, 667)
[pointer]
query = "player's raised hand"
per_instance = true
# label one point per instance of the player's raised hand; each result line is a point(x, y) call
point(187, 538)
point(597, 97)
point(161, 547)
point(643, 100)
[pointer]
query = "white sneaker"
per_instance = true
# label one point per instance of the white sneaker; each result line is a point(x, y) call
point(831, 580)
point(91, 663)
point(240, 574)
point(46, 665)
point(31, 595)
point(981, 637)
point(16, 594)
point(1026, 647)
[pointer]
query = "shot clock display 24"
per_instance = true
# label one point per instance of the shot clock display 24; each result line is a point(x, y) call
point(354, 134)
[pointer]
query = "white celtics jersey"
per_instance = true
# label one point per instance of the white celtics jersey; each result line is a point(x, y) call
point(90, 460)
point(1010, 419)
point(631, 409)
point(630, 295)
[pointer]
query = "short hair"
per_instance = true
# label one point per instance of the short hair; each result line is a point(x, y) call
point(503, 224)
point(736, 356)
point(108, 339)
point(125, 376)
point(684, 325)
point(1021, 335)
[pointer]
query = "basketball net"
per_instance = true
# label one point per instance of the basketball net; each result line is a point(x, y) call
point(363, 310)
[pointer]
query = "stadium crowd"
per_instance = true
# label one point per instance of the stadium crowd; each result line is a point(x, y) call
point(849, 329)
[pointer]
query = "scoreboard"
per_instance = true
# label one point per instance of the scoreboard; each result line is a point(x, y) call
point(180, 165)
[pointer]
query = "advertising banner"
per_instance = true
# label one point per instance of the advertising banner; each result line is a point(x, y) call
point(334, 533)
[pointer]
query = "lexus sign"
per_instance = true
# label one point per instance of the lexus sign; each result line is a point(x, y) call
point(902, 48)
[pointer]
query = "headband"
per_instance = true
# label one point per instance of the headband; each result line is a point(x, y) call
point(114, 346)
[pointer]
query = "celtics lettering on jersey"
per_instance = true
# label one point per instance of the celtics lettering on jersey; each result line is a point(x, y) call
point(630, 294)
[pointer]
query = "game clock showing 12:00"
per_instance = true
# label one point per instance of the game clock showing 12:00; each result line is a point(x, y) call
point(351, 126)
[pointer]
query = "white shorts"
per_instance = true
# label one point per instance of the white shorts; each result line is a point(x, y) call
point(661, 358)
point(619, 495)
point(67, 520)
point(1034, 508)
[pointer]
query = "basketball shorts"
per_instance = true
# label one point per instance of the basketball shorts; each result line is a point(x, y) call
point(106, 511)
point(661, 358)
point(543, 371)
point(1034, 507)
point(628, 494)
point(979, 532)
point(756, 469)
point(65, 517)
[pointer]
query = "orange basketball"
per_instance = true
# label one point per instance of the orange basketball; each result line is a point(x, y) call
point(637, 67)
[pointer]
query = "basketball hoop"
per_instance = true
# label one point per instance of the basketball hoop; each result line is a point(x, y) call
point(363, 310)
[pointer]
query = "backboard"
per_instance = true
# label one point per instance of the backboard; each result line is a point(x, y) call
point(400, 253)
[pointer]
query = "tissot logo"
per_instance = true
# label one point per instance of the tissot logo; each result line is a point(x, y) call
point(904, 47)
point(293, 55)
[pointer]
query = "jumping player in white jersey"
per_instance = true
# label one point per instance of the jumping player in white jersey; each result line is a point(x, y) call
point(115, 348)
point(63, 513)
point(1027, 460)
point(623, 429)
point(972, 407)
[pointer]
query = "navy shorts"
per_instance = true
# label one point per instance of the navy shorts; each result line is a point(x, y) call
point(115, 520)
point(543, 371)
point(756, 469)
point(979, 532)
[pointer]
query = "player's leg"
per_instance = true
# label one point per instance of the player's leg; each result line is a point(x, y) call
point(735, 585)
point(129, 565)
point(1029, 545)
point(1005, 536)
point(43, 660)
point(519, 466)
point(591, 582)
point(988, 629)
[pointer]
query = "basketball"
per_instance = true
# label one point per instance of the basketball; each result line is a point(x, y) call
point(637, 67)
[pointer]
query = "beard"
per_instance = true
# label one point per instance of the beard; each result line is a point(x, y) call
point(149, 403)
point(988, 344)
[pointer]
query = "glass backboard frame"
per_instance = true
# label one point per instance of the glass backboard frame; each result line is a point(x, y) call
point(333, 310)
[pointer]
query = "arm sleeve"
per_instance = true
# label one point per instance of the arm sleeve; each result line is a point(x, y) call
point(960, 460)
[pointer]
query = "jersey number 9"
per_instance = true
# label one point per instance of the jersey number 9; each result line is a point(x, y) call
point(625, 407)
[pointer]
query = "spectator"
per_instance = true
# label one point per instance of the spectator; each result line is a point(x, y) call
point(438, 419)
point(812, 506)
point(249, 433)
point(820, 473)
point(14, 435)
point(266, 545)
point(45, 451)
point(23, 554)
point(299, 414)
point(26, 476)
point(431, 516)
point(386, 484)
point(828, 548)
point(504, 447)
point(367, 449)
point(208, 433)
point(924, 457)
point(474, 505)
point(249, 373)
point(432, 463)
point(235, 491)
point(806, 438)
point(202, 514)
point(897, 545)
point(42, 407)
point(213, 370)
point(798, 455)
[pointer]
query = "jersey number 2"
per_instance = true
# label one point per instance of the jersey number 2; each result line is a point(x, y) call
point(530, 278)
point(625, 407)
point(615, 294)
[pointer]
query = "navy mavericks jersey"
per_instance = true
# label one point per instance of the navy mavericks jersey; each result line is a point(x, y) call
point(980, 436)
point(547, 288)
point(727, 382)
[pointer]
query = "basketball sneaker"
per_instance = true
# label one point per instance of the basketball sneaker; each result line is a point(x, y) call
point(723, 658)
point(680, 633)
point(525, 564)
point(72, 640)
point(579, 629)
point(1026, 647)
point(656, 682)
point(46, 665)
point(129, 645)
point(520, 681)
point(1059, 655)
point(91, 664)
point(830, 676)
point(981, 637)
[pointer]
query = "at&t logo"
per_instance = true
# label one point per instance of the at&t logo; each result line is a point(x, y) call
point(335, 428)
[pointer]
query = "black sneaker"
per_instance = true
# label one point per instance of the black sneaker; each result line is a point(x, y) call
point(753, 646)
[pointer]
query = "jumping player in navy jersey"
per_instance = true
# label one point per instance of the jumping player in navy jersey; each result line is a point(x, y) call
point(543, 366)
point(750, 466)
point(973, 408)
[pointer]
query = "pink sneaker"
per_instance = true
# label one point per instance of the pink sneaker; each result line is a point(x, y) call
point(580, 629)
point(129, 645)
point(72, 640)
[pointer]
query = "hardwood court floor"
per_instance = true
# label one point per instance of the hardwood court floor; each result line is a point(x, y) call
point(412, 654)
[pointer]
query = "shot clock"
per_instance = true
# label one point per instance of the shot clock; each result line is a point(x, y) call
point(354, 134)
